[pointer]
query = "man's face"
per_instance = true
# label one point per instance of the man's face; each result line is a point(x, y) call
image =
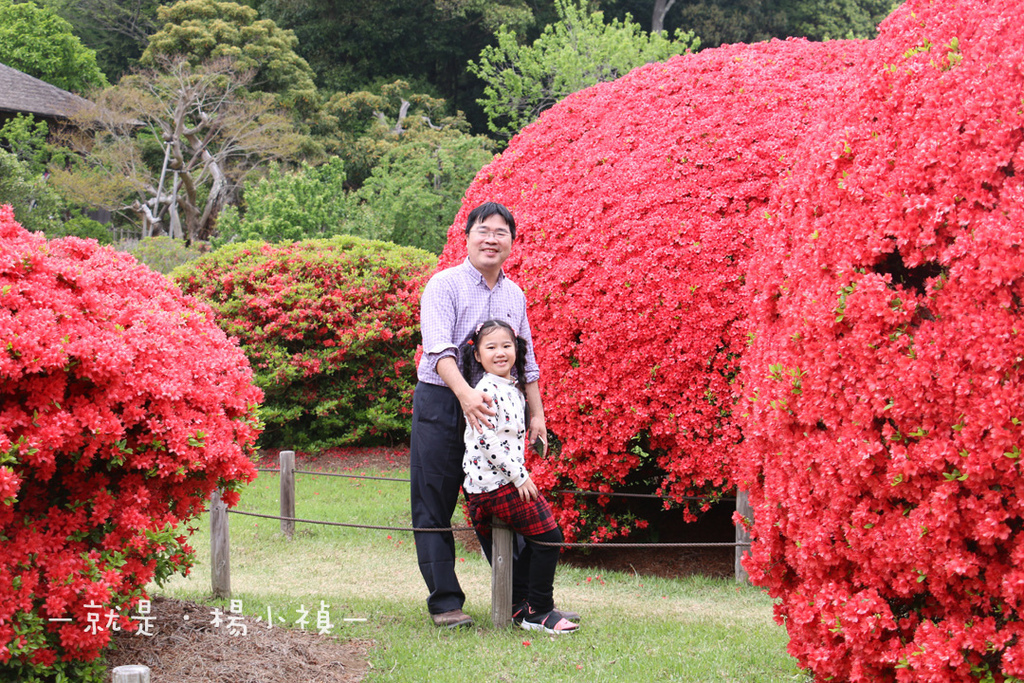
point(489, 243)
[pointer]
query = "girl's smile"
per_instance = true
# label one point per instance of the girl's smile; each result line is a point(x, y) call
point(496, 352)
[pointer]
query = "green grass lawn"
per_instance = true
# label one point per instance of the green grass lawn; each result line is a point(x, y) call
point(634, 628)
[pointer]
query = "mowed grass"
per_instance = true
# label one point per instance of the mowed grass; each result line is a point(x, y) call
point(634, 628)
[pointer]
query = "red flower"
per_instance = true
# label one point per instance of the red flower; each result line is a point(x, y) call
point(121, 408)
point(884, 379)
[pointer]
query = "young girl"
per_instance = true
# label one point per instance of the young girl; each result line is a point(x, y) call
point(497, 482)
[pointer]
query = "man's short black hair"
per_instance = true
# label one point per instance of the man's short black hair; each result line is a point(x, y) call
point(488, 209)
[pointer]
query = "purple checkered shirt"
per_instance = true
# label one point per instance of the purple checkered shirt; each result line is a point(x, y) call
point(454, 302)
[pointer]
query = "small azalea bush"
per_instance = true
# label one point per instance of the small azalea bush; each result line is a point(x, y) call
point(122, 407)
point(634, 202)
point(885, 384)
point(330, 328)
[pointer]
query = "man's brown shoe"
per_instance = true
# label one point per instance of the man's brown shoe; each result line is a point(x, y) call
point(454, 619)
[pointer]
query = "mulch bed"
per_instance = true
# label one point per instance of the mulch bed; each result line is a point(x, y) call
point(186, 648)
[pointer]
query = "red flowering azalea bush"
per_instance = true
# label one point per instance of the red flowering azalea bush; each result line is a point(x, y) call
point(330, 328)
point(122, 406)
point(883, 445)
point(634, 201)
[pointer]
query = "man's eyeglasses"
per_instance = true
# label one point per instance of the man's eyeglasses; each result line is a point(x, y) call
point(497, 233)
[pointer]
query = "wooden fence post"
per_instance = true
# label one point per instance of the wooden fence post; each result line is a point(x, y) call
point(742, 536)
point(501, 573)
point(287, 460)
point(134, 673)
point(220, 548)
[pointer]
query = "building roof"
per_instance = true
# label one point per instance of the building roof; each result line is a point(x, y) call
point(22, 93)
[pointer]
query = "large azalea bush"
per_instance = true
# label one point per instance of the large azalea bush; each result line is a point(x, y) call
point(122, 406)
point(635, 202)
point(330, 327)
point(885, 385)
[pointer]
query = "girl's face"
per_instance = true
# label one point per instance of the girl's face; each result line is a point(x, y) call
point(496, 352)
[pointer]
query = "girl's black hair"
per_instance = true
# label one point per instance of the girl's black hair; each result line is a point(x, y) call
point(471, 366)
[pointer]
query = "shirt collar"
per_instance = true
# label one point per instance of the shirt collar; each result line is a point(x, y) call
point(477, 276)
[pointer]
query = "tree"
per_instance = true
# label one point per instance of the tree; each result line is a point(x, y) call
point(38, 42)
point(28, 139)
point(356, 45)
point(733, 21)
point(203, 30)
point(514, 14)
point(577, 51)
point(409, 162)
point(830, 19)
point(661, 8)
point(417, 186)
point(117, 30)
point(36, 205)
point(367, 125)
point(170, 147)
point(308, 203)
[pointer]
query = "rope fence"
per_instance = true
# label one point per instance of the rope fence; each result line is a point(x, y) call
point(578, 492)
point(502, 537)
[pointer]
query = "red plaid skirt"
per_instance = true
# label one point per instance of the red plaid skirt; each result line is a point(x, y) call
point(526, 517)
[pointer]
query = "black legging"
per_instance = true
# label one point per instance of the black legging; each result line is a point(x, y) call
point(533, 571)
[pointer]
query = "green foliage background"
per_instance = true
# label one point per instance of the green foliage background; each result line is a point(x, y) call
point(36, 206)
point(40, 43)
point(576, 52)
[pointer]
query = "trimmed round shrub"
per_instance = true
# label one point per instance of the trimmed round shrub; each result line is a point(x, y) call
point(634, 202)
point(122, 407)
point(330, 327)
point(883, 445)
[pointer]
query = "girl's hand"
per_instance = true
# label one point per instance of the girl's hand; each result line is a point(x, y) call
point(528, 491)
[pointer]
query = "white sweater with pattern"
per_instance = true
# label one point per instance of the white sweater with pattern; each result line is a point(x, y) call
point(497, 456)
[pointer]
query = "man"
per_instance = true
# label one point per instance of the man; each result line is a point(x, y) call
point(454, 302)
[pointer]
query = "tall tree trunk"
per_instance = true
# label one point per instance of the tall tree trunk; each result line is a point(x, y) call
point(661, 8)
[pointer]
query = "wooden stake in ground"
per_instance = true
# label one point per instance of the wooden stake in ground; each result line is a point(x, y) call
point(501, 573)
point(220, 548)
point(287, 461)
point(742, 535)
